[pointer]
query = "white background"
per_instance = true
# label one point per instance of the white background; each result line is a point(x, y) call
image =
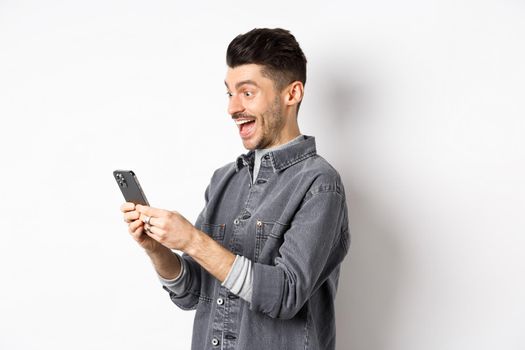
point(418, 104)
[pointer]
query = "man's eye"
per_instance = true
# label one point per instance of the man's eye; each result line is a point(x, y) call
point(229, 94)
point(248, 93)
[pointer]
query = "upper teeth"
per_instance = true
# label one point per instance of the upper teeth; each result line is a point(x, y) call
point(239, 122)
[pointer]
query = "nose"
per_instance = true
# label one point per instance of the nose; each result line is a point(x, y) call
point(235, 105)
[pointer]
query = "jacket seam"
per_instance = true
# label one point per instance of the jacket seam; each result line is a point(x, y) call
point(306, 326)
point(321, 191)
point(204, 298)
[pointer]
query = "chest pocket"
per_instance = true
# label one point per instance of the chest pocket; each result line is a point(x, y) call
point(215, 231)
point(269, 236)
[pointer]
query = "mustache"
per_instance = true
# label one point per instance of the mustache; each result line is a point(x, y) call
point(242, 115)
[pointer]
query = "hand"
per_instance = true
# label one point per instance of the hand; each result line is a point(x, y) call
point(136, 227)
point(168, 228)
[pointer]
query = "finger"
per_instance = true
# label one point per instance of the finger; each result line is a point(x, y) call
point(134, 225)
point(128, 206)
point(152, 220)
point(156, 233)
point(150, 211)
point(131, 216)
point(144, 218)
point(137, 233)
point(149, 232)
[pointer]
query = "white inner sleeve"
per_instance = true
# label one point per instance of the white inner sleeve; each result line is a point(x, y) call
point(177, 285)
point(240, 278)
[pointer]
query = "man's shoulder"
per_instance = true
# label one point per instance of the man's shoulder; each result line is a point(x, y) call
point(318, 164)
point(323, 175)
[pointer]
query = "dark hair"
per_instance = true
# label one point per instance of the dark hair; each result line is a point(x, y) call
point(276, 50)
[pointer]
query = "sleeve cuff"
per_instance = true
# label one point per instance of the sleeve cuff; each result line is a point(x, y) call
point(240, 278)
point(178, 284)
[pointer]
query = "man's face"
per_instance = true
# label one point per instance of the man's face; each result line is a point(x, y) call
point(255, 106)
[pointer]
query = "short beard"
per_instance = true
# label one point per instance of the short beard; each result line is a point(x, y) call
point(275, 123)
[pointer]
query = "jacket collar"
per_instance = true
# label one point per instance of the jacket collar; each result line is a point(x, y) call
point(284, 157)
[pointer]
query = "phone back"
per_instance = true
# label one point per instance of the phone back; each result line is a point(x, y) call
point(130, 187)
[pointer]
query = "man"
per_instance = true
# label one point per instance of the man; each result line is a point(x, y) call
point(261, 265)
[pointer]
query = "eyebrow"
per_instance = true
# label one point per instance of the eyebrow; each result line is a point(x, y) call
point(244, 82)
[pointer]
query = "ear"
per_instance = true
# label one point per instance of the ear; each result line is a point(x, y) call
point(294, 93)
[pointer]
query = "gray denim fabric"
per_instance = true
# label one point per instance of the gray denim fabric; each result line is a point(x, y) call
point(292, 222)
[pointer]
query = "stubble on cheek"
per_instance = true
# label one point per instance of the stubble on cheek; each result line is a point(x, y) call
point(269, 126)
point(273, 123)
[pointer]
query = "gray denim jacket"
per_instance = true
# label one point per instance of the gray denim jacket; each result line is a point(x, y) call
point(292, 222)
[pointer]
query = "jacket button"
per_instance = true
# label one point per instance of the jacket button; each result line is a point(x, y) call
point(236, 221)
point(215, 342)
point(220, 301)
point(259, 223)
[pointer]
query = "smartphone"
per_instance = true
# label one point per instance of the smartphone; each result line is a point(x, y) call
point(130, 187)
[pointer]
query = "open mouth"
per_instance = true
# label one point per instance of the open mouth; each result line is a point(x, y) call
point(246, 126)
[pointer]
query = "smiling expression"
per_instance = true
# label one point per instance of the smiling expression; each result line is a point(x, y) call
point(256, 107)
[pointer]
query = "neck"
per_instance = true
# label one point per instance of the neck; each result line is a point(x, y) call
point(290, 130)
point(288, 136)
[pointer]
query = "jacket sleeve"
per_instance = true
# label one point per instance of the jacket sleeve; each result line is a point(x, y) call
point(313, 247)
point(189, 299)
